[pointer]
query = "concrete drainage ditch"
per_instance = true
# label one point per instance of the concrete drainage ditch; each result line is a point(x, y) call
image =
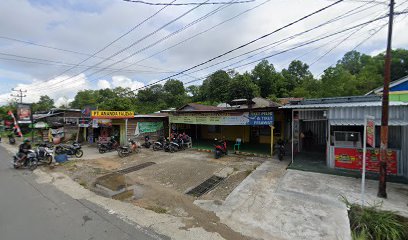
point(114, 185)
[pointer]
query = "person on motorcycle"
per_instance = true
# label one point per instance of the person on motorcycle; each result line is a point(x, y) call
point(23, 150)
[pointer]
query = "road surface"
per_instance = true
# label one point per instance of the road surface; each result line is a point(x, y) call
point(29, 210)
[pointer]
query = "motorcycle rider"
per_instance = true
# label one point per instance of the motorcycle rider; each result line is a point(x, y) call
point(23, 150)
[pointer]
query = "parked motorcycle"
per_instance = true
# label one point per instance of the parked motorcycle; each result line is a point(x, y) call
point(109, 146)
point(45, 153)
point(125, 151)
point(11, 139)
point(280, 145)
point(147, 142)
point(72, 150)
point(176, 145)
point(30, 161)
point(159, 144)
point(220, 148)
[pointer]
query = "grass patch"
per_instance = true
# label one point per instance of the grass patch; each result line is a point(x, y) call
point(157, 209)
point(371, 223)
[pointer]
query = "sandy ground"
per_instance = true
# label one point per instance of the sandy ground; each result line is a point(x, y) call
point(162, 186)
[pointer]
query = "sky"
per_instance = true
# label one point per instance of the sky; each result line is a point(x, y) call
point(59, 47)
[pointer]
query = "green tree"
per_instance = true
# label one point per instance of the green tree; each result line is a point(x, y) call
point(85, 98)
point(241, 86)
point(194, 92)
point(266, 77)
point(296, 73)
point(44, 104)
point(175, 94)
point(215, 87)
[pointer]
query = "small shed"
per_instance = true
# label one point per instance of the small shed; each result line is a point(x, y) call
point(334, 128)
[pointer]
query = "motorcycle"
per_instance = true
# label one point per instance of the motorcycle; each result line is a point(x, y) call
point(125, 151)
point(176, 145)
point(220, 148)
point(30, 162)
point(147, 142)
point(281, 149)
point(11, 139)
point(72, 150)
point(159, 144)
point(45, 153)
point(107, 147)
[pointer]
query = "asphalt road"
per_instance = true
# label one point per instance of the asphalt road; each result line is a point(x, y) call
point(33, 211)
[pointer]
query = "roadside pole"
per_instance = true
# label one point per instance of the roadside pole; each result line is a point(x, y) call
point(369, 139)
point(364, 161)
point(382, 193)
point(126, 129)
point(272, 128)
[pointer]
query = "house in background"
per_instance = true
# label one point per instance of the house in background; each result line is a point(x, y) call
point(398, 90)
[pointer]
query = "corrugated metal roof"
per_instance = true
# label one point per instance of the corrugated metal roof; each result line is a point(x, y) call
point(350, 104)
point(360, 122)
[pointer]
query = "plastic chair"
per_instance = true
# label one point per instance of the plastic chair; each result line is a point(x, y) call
point(237, 143)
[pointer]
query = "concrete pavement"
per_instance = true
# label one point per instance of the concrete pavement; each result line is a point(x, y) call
point(29, 210)
point(261, 208)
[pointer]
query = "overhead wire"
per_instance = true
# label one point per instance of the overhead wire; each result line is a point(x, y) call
point(285, 40)
point(250, 42)
point(185, 4)
point(301, 45)
point(114, 41)
point(189, 38)
point(246, 44)
point(133, 44)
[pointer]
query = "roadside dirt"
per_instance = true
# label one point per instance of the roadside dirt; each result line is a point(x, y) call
point(162, 186)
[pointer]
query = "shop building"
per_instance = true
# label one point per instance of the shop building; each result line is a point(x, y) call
point(255, 124)
point(398, 90)
point(102, 126)
point(331, 129)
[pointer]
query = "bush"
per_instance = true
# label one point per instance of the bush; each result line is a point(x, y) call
point(370, 223)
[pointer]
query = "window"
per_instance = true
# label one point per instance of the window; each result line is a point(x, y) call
point(265, 131)
point(278, 128)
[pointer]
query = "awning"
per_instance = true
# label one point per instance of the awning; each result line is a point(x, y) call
point(360, 122)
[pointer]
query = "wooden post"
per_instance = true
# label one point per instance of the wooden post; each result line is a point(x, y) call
point(272, 128)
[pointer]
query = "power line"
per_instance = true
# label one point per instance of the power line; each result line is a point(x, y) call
point(117, 39)
point(184, 4)
point(20, 94)
point(301, 45)
point(246, 44)
point(284, 40)
point(179, 43)
point(134, 43)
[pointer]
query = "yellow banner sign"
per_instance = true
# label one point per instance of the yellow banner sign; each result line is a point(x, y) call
point(112, 114)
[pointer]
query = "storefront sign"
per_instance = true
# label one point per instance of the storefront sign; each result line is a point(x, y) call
point(24, 113)
point(371, 132)
point(351, 158)
point(112, 114)
point(250, 119)
point(101, 123)
point(83, 122)
point(149, 127)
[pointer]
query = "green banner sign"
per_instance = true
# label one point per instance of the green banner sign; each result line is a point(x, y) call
point(238, 119)
point(148, 127)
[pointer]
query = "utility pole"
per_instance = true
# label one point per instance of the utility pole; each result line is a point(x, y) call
point(20, 94)
point(382, 193)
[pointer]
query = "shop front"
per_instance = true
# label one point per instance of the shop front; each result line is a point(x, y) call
point(331, 132)
point(254, 130)
point(105, 125)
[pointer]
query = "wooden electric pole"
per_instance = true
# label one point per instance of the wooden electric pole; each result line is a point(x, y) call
point(382, 193)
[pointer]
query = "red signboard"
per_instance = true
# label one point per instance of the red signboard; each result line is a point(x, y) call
point(351, 158)
point(371, 132)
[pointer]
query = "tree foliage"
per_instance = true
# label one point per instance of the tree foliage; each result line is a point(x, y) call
point(44, 104)
point(354, 74)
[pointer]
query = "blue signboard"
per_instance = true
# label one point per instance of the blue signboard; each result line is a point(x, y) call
point(260, 118)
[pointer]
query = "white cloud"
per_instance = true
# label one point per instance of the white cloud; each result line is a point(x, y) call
point(125, 82)
point(102, 84)
point(56, 88)
point(63, 101)
point(89, 27)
